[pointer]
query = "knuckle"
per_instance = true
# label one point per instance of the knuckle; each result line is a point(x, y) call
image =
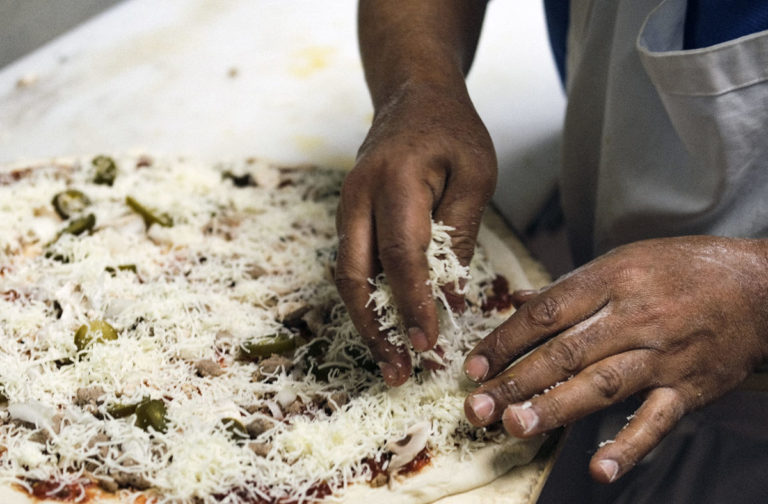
point(395, 251)
point(463, 245)
point(545, 311)
point(553, 409)
point(508, 391)
point(607, 381)
point(565, 354)
point(345, 283)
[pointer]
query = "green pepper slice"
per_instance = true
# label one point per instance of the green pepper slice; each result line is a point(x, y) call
point(80, 226)
point(151, 413)
point(147, 215)
point(95, 331)
point(279, 344)
point(235, 428)
point(119, 410)
point(120, 267)
point(69, 203)
point(238, 180)
point(3, 396)
point(106, 170)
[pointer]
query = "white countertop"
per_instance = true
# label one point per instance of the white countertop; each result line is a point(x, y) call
point(274, 78)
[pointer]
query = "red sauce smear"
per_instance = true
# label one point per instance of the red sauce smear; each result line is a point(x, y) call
point(417, 464)
point(55, 490)
point(316, 492)
point(500, 300)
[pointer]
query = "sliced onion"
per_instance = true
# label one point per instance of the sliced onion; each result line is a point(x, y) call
point(285, 397)
point(32, 412)
point(274, 409)
point(411, 445)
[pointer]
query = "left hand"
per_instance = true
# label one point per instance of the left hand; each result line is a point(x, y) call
point(682, 320)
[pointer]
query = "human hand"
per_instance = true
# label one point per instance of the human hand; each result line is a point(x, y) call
point(427, 153)
point(680, 320)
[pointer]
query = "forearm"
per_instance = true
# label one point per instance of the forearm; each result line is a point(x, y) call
point(417, 42)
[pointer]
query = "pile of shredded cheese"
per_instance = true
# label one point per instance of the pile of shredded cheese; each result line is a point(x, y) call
point(236, 261)
point(445, 269)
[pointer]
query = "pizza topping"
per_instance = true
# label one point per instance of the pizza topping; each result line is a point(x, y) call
point(88, 395)
point(254, 271)
point(80, 225)
point(208, 367)
point(151, 413)
point(119, 410)
point(274, 344)
point(148, 216)
point(107, 483)
point(32, 412)
point(70, 202)
point(96, 331)
point(500, 298)
point(52, 489)
point(121, 267)
point(336, 400)
point(407, 448)
point(253, 297)
point(243, 180)
point(445, 270)
point(260, 449)
point(105, 170)
point(235, 428)
point(130, 479)
point(258, 427)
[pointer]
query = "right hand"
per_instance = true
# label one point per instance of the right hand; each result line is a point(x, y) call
point(427, 153)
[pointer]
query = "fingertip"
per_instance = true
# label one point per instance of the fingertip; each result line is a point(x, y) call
point(388, 372)
point(604, 470)
point(476, 368)
point(419, 339)
point(520, 420)
point(479, 408)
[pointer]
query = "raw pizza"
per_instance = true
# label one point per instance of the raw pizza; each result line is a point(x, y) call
point(170, 332)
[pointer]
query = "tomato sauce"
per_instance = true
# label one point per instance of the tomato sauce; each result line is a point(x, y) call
point(54, 490)
point(500, 299)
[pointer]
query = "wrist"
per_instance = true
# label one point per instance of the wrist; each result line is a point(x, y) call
point(418, 82)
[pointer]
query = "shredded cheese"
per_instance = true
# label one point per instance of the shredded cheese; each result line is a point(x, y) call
point(230, 269)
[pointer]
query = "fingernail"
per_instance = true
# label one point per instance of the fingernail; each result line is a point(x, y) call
point(418, 339)
point(482, 405)
point(610, 468)
point(388, 371)
point(525, 292)
point(476, 368)
point(526, 418)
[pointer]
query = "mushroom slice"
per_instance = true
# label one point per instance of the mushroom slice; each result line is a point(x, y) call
point(407, 448)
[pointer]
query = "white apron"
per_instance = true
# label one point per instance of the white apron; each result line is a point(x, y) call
point(662, 142)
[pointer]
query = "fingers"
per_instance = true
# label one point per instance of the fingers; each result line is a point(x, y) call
point(600, 385)
point(355, 264)
point(403, 233)
point(463, 209)
point(658, 415)
point(563, 305)
point(574, 352)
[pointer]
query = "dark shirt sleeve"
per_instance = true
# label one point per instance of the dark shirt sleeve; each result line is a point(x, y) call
point(710, 22)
